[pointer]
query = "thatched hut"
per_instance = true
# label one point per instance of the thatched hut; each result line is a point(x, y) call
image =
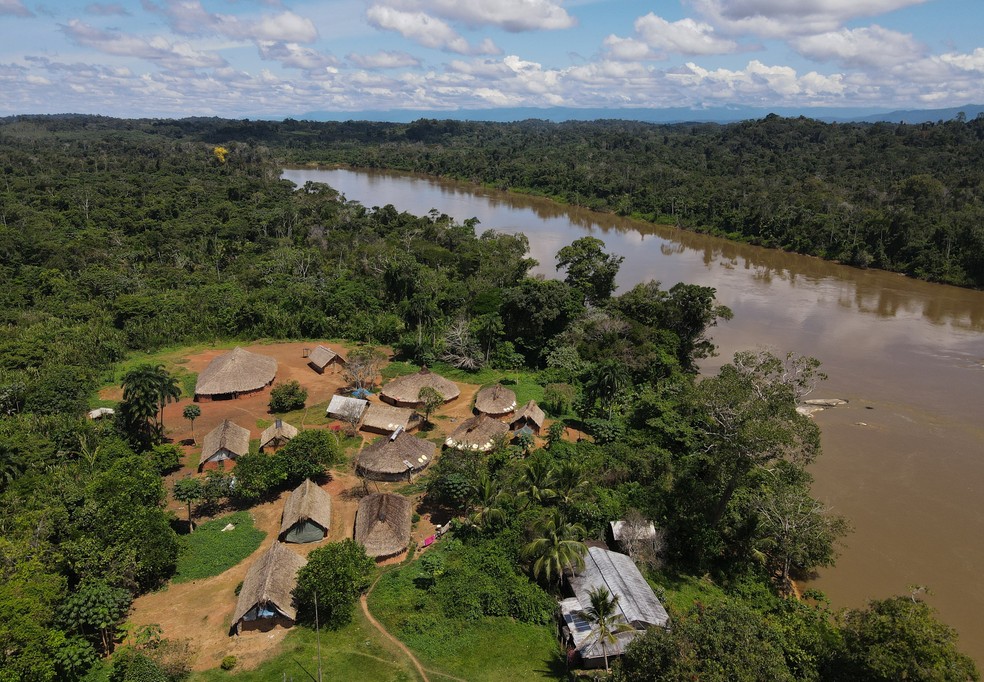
point(386, 419)
point(395, 458)
point(307, 514)
point(323, 357)
point(637, 605)
point(405, 391)
point(382, 524)
point(478, 433)
point(265, 599)
point(347, 409)
point(225, 442)
point(276, 435)
point(529, 416)
point(495, 401)
point(234, 374)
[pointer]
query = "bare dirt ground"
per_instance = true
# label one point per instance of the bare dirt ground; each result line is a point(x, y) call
point(201, 611)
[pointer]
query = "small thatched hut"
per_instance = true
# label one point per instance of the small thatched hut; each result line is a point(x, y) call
point(234, 374)
point(395, 459)
point(386, 419)
point(529, 416)
point(276, 435)
point(347, 409)
point(495, 401)
point(265, 599)
point(382, 524)
point(478, 433)
point(404, 391)
point(323, 357)
point(307, 514)
point(225, 442)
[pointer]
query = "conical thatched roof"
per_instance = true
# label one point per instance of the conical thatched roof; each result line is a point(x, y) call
point(322, 356)
point(530, 412)
point(278, 430)
point(228, 436)
point(237, 371)
point(406, 389)
point(478, 433)
point(495, 400)
point(308, 502)
point(270, 581)
point(382, 524)
point(387, 458)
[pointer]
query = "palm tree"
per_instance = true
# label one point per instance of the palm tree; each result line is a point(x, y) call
point(607, 379)
point(570, 481)
point(605, 618)
point(146, 390)
point(556, 548)
point(536, 482)
point(487, 508)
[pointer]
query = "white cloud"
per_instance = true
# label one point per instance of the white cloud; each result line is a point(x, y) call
point(786, 18)
point(294, 55)
point(966, 62)
point(425, 30)
point(384, 59)
point(155, 48)
point(14, 8)
point(873, 46)
point(191, 18)
point(683, 37)
point(511, 15)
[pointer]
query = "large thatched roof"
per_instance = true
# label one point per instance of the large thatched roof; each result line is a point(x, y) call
point(237, 371)
point(270, 582)
point(382, 524)
point(346, 408)
point(322, 356)
point(308, 502)
point(386, 418)
point(406, 389)
point(478, 433)
point(226, 436)
point(278, 430)
point(530, 412)
point(495, 400)
point(387, 458)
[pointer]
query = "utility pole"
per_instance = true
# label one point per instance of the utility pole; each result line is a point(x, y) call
point(317, 630)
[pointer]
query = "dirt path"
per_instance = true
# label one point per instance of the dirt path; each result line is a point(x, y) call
point(364, 603)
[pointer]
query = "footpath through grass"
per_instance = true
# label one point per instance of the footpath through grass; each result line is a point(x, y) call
point(210, 551)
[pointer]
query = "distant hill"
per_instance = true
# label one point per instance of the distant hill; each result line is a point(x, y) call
point(727, 114)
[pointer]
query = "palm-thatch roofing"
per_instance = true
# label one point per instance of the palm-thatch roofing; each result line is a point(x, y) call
point(478, 433)
point(530, 413)
point(637, 604)
point(308, 503)
point(387, 458)
point(347, 409)
point(322, 356)
point(278, 432)
point(386, 418)
point(405, 390)
point(238, 371)
point(227, 440)
point(382, 524)
point(269, 583)
point(496, 400)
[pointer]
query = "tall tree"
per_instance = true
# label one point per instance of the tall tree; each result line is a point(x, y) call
point(589, 268)
point(557, 547)
point(606, 620)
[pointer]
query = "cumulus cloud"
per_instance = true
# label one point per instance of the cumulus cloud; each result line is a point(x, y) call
point(660, 37)
point(511, 15)
point(189, 17)
point(155, 48)
point(294, 55)
point(14, 8)
point(965, 62)
point(425, 30)
point(384, 59)
point(786, 18)
point(873, 46)
point(106, 10)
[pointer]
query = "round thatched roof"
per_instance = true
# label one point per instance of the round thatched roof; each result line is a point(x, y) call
point(387, 458)
point(382, 524)
point(237, 371)
point(406, 389)
point(495, 400)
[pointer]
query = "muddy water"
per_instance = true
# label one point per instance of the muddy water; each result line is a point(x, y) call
point(904, 460)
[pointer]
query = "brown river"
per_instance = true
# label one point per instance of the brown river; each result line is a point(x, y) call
point(903, 460)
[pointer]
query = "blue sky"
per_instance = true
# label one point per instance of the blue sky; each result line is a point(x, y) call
point(273, 58)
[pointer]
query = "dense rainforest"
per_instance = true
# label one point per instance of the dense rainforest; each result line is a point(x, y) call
point(118, 237)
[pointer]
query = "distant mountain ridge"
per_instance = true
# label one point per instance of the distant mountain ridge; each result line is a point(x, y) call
point(728, 114)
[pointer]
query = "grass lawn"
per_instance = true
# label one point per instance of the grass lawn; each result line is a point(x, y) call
point(209, 551)
point(485, 650)
point(355, 652)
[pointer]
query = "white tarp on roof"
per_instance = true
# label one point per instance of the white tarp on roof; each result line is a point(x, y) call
point(349, 409)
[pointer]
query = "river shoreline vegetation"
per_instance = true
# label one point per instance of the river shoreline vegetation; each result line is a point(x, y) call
point(123, 238)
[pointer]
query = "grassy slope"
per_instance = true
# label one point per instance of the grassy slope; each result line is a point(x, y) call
point(209, 551)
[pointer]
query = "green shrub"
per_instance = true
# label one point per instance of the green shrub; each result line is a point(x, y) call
point(287, 396)
point(165, 457)
point(338, 573)
point(228, 663)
